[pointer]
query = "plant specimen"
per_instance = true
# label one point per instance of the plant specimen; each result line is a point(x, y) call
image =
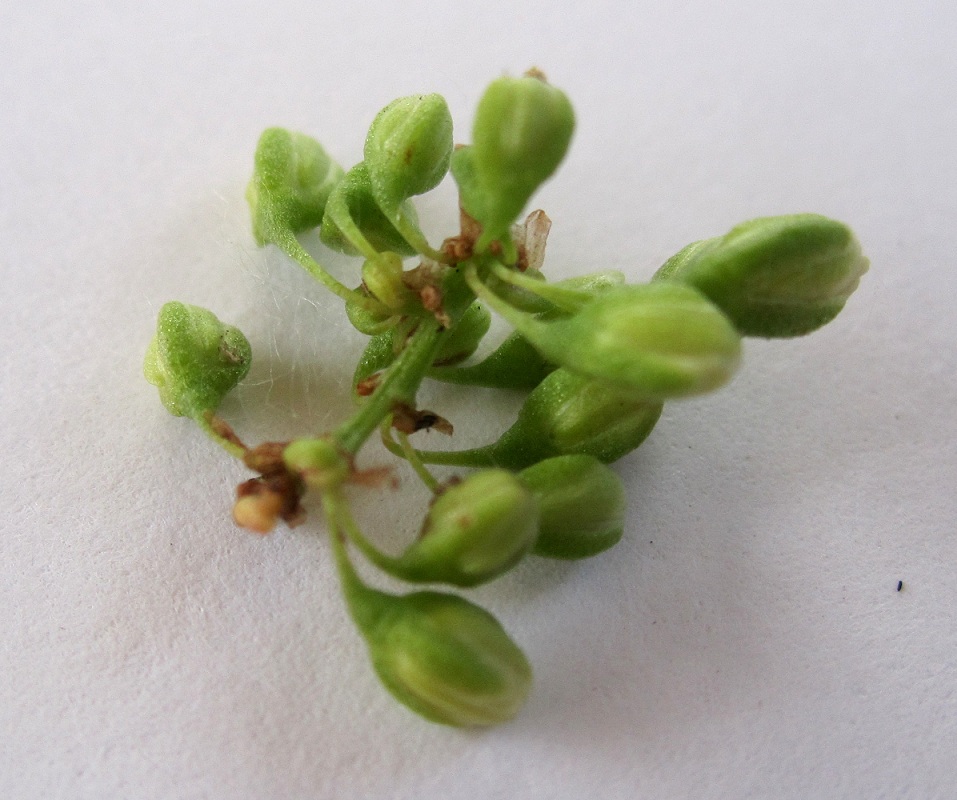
point(595, 356)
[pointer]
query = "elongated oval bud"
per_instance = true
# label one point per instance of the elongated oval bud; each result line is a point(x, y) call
point(292, 179)
point(475, 531)
point(408, 148)
point(659, 340)
point(570, 414)
point(445, 658)
point(522, 130)
point(194, 359)
point(774, 276)
point(582, 506)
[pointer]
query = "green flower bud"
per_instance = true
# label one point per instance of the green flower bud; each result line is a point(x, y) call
point(522, 130)
point(514, 364)
point(353, 220)
point(570, 414)
point(445, 658)
point(464, 337)
point(194, 359)
point(658, 340)
point(318, 461)
point(382, 276)
point(408, 148)
point(474, 531)
point(774, 276)
point(582, 506)
point(292, 179)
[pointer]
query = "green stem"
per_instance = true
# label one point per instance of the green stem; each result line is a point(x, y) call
point(338, 211)
point(570, 300)
point(412, 456)
point(476, 457)
point(399, 385)
point(524, 323)
point(361, 600)
point(346, 524)
point(509, 250)
point(411, 233)
point(205, 423)
point(291, 247)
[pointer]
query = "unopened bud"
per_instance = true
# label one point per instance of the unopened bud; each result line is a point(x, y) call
point(194, 359)
point(582, 506)
point(658, 340)
point(570, 414)
point(445, 658)
point(408, 148)
point(464, 338)
point(774, 276)
point(522, 130)
point(292, 179)
point(318, 461)
point(474, 531)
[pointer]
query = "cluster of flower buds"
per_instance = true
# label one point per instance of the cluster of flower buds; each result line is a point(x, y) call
point(596, 358)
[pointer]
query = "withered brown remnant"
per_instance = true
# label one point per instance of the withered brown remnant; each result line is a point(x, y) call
point(367, 386)
point(460, 248)
point(224, 430)
point(275, 481)
point(408, 420)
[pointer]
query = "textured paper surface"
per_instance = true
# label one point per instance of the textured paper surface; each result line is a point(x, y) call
point(746, 639)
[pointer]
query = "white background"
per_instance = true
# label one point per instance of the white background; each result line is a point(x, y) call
point(746, 639)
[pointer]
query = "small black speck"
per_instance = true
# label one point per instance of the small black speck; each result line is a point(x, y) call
point(900, 585)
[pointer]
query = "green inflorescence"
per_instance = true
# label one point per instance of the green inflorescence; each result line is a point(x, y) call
point(595, 356)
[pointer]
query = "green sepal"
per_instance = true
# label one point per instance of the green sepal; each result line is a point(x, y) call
point(363, 320)
point(293, 177)
point(382, 277)
point(774, 276)
point(194, 359)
